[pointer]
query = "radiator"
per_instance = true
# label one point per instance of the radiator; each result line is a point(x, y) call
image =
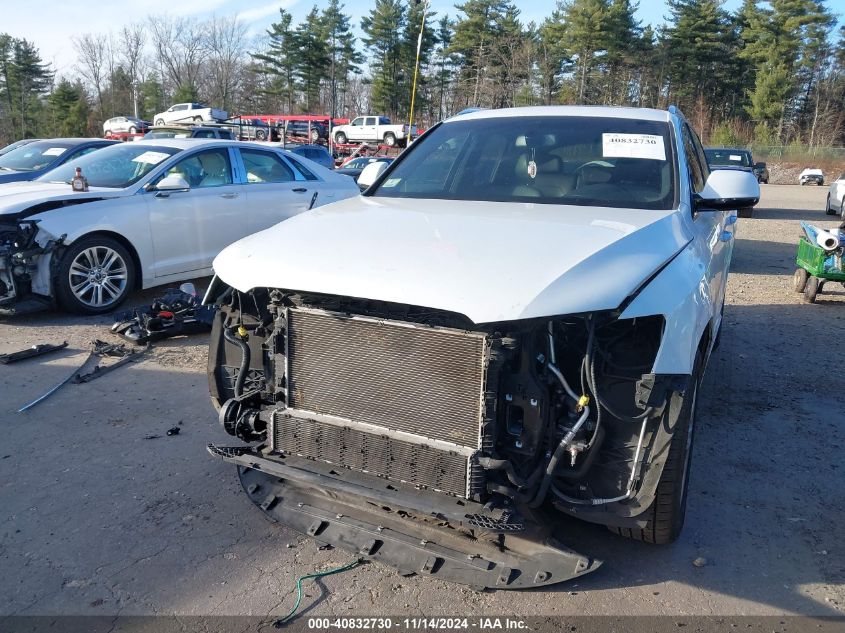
point(411, 395)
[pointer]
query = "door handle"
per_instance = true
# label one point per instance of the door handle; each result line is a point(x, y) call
point(300, 190)
point(726, 236)
point(228, 196)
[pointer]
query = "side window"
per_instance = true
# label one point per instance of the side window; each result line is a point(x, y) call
point(203, 134)
point(702, 157)
point(210, 168)
point(80, 153)
point(226, 134)
point(696, 172)
point(371, 120)
point(358, 121)
point(265, 167)
point(306, 173)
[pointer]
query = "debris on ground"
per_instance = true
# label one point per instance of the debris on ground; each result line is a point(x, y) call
point(699, 562)
point(30, 352)
point(173, 430)
point(178, 312)
point(114, 350)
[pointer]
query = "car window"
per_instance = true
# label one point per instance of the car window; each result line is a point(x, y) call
point(306, 173)
point(696, 172)
point(80, 153)
point(115, 166)
point(264, 167)
point(371, 120)
point(226, 134)
point(209, 168)
point(358, 121)
point(204, 134)
point(33, 156)
point(182, 106)
point(383, 120)
point(572, 160)
point(702, 158)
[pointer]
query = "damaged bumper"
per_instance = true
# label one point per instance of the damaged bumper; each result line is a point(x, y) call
point(410, 529)
point(25, 269)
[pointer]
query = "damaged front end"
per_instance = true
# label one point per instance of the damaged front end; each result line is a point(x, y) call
point(416, 437)
point(25, 272)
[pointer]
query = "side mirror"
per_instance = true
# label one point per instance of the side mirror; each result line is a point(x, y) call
point(371, 173)
point(728, 189)
point(173, 182)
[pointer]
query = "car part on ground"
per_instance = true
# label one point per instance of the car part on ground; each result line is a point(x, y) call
point(31, 352)
point(178, 312)
point(102, 349)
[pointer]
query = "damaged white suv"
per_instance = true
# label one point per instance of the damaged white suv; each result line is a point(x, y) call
point(512, 321)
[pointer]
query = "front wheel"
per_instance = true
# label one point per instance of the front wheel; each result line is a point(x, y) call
point(197, 119)
point(390, 139)
point(132, 130)
point(811, 290)
point(95, 275)
point(260, 135)
point(666, 514)
point(315, 135)
point(160, 122)
point(799, 279)
point(340, 138)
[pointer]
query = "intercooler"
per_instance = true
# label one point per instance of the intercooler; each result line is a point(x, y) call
point(398, 400)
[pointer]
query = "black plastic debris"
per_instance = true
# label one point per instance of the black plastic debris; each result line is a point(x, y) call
point(30, 352)
point(178, 312)
point(173, 431)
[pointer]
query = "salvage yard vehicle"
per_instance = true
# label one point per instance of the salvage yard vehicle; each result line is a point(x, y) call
point(732, 158)
point(155, 212)
point(835, 202)
point(189, 112)
point(125, 125)
point(811, 175)
point(32, 160)
point(16, 145)
point(190, 131)
point(371, 128)
point(512, 322)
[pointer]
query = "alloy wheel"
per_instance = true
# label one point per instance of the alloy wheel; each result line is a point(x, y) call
point(98, 276)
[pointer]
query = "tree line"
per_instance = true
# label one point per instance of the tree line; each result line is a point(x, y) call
point(768, 73)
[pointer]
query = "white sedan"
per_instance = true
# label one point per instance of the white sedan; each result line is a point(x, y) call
point(836, 197)
point(155, 212)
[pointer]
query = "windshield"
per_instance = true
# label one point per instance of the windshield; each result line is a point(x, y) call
point(33, 156)
point(595, 161)
point(168, 133)
point(735, 157)
point(116, 167)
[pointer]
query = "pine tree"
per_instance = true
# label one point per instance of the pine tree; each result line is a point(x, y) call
point(68, 109)
point(312, 58)
point(383, 29)
point(279, 61)
point(343, 55)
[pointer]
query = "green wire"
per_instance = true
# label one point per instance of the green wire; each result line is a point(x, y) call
point(282, 621)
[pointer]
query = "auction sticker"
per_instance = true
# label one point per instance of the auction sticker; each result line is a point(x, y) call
point(55, 151)
point(648, 146)
point(150, 158)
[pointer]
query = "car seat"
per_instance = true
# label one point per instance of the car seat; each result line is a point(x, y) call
point(215, 170)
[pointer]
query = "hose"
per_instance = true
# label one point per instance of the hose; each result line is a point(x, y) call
point(229, 335)
point(284, 620)
point(555, 459)
point(488, 463)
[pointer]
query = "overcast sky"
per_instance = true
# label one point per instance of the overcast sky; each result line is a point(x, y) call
point(52, 23)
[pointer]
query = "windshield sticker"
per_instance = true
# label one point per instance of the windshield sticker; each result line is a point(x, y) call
point(150, 158)
point(735, 157)
point(54, 151)
point(648, 146)
point(391, 182)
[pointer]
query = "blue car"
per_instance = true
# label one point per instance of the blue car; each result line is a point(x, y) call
point(16, 145)
point(317, 153)
point(35, 159)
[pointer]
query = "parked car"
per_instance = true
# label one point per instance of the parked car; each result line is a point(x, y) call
point(189, 112)
point(125, 125)
point(30, 161)
point(316, 153)
point(810, 175)
point(512, 321)
point(311, 130)
point(354, 167)
point(836, 197)
point(733, 158)
point(194, 131)
point(251, 129)
point(156, 212)
point(17, 144)
point(372, 128)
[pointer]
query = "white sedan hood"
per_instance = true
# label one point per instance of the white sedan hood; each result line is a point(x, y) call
point(19, 196)
point(487, 261)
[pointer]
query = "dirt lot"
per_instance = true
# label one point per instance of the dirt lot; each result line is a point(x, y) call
point(98, 520)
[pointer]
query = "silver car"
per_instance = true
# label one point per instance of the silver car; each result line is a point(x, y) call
point(124, 125)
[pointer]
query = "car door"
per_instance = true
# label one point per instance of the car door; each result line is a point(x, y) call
point(275, 189)
point(714, 229)
point(370, 131)
point(190, 227)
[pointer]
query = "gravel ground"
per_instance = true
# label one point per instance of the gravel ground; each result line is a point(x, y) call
point(98, 520)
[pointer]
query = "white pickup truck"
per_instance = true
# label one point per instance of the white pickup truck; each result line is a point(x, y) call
point(189, 113)
point(369, 128)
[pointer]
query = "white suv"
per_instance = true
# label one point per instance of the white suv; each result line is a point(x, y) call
point(513, 319)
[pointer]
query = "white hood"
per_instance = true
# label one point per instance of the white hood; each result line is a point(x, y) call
point(488, 261)
point(19, 196)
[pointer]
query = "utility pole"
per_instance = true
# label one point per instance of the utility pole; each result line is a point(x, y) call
point(417, 67)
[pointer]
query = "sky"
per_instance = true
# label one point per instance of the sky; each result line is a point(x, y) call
point(51, 24)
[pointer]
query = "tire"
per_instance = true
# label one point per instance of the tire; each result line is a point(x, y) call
point(160, 122)
point(390, 139)
point(260, 135)
point(811, 290)
point(77, 286)
point(666, 514)
point(340, 138)
point(133, 130)
point(197, 119)
point(827, 209)
point(315, 135)
point(106, 132)
point(803, 183)
point(799, 279)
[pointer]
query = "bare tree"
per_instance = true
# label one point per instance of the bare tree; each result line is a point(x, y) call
point(179, 45)
point(132, 40)
point(226, 44)
point(91, 55)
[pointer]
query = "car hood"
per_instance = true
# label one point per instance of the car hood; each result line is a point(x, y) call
point(16, 176)
point(487, 261)
point(17, 197)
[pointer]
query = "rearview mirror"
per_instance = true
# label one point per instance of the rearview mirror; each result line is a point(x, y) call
point(371, 173)
point(728, 189)
point(173, 182)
